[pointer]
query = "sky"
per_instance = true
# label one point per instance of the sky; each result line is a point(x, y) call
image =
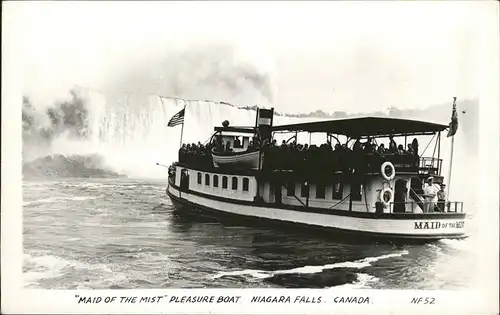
point(334, 56)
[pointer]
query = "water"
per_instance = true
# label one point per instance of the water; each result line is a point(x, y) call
point(123, 233)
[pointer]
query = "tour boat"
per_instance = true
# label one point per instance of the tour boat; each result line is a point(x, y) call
point(378, 195)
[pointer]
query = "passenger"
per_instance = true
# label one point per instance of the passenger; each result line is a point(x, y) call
point(430, 195)
point(381, 149)
point(441, 195)
point(401, 150)
point(182, 153)
point(237, 143)
point(410, 149)
point(369, 147)
point(392, 145)
point(356, 147)
point(219, 146)
point(228, 146)
point(266, 143)
point(414, 145)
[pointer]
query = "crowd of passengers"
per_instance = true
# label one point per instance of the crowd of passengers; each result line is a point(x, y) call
point(294, 155)
point(340, 157)
point(196, 154)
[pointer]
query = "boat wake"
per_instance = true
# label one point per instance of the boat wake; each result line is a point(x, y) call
point(357, 264)
point(463, 244)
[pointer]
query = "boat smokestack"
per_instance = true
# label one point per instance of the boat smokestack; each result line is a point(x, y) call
point(264, 122)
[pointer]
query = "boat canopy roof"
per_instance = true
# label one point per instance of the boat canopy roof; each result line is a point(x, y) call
point(367, 126)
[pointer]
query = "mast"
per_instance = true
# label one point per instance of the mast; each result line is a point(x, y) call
point(439, 153)
point(449, 170)
point(451, 133)
point(182, 128)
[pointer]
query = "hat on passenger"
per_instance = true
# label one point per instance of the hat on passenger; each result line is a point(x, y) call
point(430, 178)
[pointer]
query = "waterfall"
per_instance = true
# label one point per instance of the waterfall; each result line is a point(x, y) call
point(130, 131)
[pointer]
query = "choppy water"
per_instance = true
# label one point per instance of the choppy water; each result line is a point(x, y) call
point(110, 234)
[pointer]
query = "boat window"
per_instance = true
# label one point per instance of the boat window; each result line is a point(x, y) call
point(320, 191)
point(356, 191)
point(199, 178)
point(207, 180)
point(224, 182)
point(290, 189)
point(304, 190)
point(245, 184)
point(234, 183)
point(337, 191)
point(216, 181)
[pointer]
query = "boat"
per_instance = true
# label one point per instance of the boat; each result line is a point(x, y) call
point(334, 188)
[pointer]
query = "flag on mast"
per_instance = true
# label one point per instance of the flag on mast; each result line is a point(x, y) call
point(177, 119)
point(454, 120)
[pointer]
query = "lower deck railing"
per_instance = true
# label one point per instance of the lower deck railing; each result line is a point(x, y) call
point(428, 207)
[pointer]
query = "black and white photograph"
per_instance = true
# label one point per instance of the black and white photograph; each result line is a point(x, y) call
point(255, 145)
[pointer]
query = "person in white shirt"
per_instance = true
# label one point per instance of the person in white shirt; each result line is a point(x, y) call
point(430, 194)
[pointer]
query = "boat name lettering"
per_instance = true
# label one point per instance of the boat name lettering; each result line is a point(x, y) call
point(432, 225)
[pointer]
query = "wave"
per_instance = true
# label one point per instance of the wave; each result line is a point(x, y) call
point(88, 185)
point(58, 199)
point(262, 274)
point(40, 265)
point(434, 247)
point(363, 281)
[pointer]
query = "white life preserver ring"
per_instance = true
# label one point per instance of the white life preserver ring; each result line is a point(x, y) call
point(393, 170)
point(386, 196)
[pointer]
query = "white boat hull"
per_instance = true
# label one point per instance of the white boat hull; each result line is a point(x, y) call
point(422, 228)
point(243, 160)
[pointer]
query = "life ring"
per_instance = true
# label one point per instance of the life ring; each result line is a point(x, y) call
point(386, 196)
point(393, 170)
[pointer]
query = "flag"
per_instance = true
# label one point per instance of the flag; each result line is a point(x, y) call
point(454, 120)
point(177, 119)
